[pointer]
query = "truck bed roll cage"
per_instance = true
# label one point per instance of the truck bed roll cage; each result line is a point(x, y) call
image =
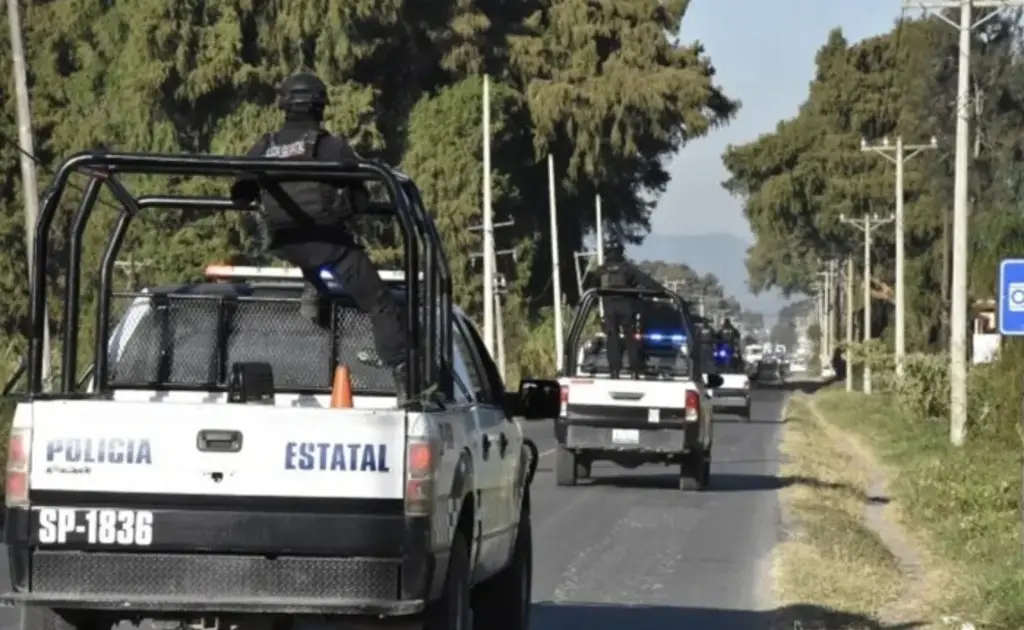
point(588, 302)
point(428, 277)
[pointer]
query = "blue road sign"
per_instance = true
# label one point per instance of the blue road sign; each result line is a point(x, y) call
point(1011, 297)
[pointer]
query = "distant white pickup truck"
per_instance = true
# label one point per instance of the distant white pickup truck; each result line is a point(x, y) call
point(661, 417)
point(733, 395)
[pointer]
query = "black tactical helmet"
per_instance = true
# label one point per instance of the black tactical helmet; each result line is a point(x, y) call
point(303, 91)
point(613, 249)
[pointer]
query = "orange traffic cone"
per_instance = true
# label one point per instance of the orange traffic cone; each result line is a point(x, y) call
point(341, 390)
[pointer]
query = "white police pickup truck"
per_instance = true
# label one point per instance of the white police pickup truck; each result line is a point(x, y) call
point(203, 475)
point(662, 417)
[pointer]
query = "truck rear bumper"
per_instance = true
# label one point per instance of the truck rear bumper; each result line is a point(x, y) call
point(222, 583)
point(173, 604)
point(662, 440)
point(252, 568)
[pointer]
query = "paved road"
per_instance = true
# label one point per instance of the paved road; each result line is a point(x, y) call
point(629, 550)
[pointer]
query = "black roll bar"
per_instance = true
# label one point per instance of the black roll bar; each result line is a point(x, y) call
point(587, 302)
point(424, 253)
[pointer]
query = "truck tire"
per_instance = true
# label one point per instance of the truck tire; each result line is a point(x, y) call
point(503, 602)
point(452, 610)
point(746, 413)
point(695, 471)
point(566, 469)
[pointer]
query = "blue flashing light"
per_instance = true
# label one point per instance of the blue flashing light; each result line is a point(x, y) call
point(723, 351)
point(659, 337)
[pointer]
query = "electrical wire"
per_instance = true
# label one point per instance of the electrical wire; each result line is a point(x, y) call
point(11, 142)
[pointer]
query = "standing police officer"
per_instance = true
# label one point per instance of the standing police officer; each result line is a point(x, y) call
point(307, 221)
point(620, 312)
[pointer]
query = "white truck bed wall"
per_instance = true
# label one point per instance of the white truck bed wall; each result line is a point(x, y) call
point(627, 392)
point(221, 398)
point(734, 381)
point(139, 447)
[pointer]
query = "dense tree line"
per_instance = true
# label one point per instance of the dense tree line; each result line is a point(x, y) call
point(600, 84)
point(797, 180)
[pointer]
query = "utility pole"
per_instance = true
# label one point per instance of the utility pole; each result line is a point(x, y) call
point(495, 281)
point(867, 225)
point(958, 297)
point(599, 246)
point(848, 281)
point(499, 290)
point(556, 267)
point(26, 146)
point(899, 155)
point(488, 223)
point(131, 267)
point(588, 255)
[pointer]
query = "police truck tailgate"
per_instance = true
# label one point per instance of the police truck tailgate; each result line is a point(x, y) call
point(234, 450)
point(625, 402)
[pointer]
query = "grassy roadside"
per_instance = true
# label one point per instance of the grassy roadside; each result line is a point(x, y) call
point(831, 558)
point(962, 502)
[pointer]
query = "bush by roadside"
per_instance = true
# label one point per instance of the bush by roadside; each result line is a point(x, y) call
point(964, 501)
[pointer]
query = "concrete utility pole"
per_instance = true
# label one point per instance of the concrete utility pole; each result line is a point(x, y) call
point(958, 297)
point(556, 267)
point(499, 290)
point(496, 281)
point(825, 314)
point(131, 268)
point(488, 223)
point(595, 254)
point(848, 281)
point(899, 155)
point(867, 225)
point(26, 150)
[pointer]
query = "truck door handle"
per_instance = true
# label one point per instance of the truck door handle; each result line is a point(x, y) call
point(486, 444)
point(212, 440)
point(502, 444)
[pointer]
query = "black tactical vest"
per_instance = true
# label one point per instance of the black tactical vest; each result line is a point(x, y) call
point(614, 277)
point(298, 204)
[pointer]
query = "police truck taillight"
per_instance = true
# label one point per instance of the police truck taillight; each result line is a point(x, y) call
point(419, 477)
point(565, 400)
point(18, 448)
point(692, 405)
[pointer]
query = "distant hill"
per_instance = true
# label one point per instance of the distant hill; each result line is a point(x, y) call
point(721, 254)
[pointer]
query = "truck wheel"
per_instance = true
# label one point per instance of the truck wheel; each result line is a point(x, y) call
point(566, 470)
point(582, 468)
point(695, 471)
point(503, 602)
point(35, 618)
point(746, 413)
point(452, 611)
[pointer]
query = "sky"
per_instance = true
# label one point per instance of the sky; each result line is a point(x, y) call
point(763, 52)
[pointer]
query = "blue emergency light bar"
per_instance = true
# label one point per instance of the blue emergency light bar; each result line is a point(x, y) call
point(657, 337)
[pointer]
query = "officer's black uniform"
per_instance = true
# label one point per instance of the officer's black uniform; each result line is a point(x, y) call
point(307, 221)
point(620, 312)
point(728, 334)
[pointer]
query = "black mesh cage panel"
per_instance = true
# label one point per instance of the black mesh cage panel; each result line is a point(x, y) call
point(186, 341)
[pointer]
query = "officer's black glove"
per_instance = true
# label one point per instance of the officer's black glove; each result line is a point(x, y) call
point(245, 192)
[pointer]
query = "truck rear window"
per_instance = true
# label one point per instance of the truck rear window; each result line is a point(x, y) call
point(191, 341)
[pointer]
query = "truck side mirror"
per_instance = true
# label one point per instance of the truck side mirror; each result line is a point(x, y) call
point(539, 399)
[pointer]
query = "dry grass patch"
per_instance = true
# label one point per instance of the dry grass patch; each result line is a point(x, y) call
point(833, 572)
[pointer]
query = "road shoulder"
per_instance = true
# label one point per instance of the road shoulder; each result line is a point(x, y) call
point(847, 562)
